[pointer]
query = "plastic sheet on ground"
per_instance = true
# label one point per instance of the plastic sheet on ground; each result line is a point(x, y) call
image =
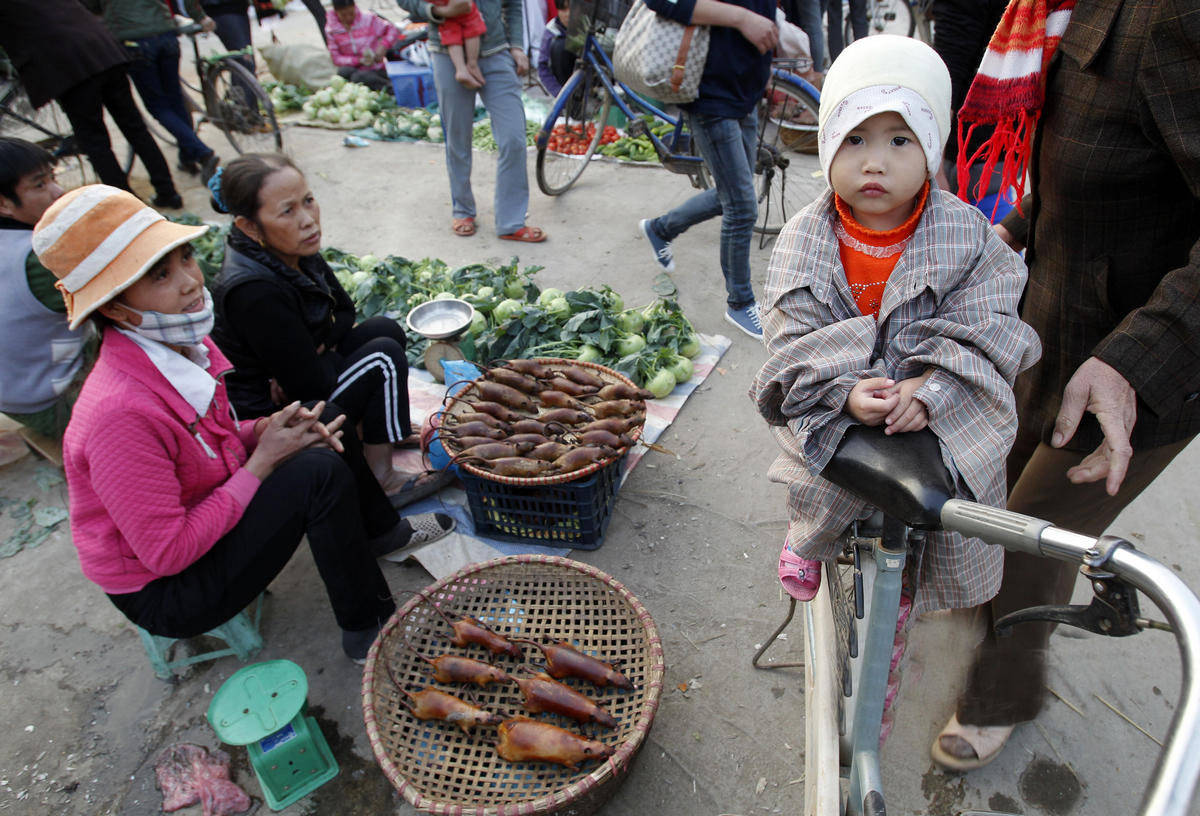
point(462, 547)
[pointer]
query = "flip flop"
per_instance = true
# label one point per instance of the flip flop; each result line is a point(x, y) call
point(420, 486)
point(463, 227)
point(986, 741)
point(530, 235)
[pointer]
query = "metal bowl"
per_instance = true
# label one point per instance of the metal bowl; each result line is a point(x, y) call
point(439, 319)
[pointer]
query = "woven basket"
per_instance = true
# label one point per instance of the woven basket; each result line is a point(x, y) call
point(439, 769)
point(460, 405)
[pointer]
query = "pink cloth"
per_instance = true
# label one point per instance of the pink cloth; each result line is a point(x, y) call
point(147, 496)
point(346, 45)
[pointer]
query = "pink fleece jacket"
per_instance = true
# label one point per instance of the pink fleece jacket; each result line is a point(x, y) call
point(152, 485)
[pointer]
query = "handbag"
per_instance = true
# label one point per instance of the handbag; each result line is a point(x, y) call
point(658, 57)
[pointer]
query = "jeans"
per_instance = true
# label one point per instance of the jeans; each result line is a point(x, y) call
point(807, 14)
point(502, 98)
point(234, 32)
point(155, 73)
point(858, 23)
point(82, 104)
point(728, 147)
point(311, 494)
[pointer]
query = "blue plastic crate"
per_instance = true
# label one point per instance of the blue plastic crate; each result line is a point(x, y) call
point(412, 84)
point(570, 514)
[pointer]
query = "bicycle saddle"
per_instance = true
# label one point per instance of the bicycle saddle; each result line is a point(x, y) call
point(901, 474)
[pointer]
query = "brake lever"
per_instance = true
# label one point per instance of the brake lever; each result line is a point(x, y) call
point(1113, 610)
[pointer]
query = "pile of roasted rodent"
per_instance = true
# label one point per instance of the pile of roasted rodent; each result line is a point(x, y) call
point(520, 738)
point(528, 418)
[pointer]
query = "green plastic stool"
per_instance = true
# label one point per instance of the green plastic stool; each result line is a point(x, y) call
point(262, 707)
point(240, 634)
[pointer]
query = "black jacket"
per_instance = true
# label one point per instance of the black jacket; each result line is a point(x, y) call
point(270, 322)
point(55, 45)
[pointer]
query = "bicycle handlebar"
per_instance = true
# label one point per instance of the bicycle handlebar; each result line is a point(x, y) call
point(1178, 767)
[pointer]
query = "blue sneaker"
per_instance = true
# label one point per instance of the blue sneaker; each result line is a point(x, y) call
point(662, 249)
point(746, 319)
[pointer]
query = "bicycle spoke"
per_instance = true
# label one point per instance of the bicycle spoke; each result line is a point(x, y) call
point(787, 135)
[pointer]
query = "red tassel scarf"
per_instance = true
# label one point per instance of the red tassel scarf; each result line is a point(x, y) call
point(1008, 91)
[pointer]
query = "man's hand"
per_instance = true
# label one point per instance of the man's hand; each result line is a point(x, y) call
point(368, 58)
point(207, 25)
point(871, 400)
point(761, 32)
point(521, 59)
point(1098, 388)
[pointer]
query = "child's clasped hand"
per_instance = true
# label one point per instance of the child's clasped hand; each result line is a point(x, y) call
point(883, 401)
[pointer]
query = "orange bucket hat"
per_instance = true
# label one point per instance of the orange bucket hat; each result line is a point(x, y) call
point(98, 240)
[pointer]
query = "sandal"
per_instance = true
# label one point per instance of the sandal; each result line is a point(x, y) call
point(413, 532)
point(985, 742)
point(801, 577)
point(530, 235)
point(463, 227)
point(420, 486)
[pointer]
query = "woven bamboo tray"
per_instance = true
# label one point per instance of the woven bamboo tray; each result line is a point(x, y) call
point(461, 405)
point(439, 769)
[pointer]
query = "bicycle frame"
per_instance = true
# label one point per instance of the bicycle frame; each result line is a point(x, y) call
point(913, 499)
point(601, 67)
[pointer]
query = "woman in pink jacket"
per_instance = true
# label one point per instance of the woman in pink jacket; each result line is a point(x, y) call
point(180, 512)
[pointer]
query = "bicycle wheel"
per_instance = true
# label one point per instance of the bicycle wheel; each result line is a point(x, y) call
point(886, 17)
point(572, 132)
point(239, 106)
point(787, 129)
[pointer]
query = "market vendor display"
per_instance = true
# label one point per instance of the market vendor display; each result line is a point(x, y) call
point(181, 513)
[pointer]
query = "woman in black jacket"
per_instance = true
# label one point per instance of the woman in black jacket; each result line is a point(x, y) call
point(288, 327)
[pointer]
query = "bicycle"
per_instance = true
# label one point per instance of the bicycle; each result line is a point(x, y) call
point(583, 108)
point(851, 624)
point(233, 99)
point(787, 127)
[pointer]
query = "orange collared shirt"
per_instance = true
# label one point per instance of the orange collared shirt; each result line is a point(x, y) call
point(869, 256)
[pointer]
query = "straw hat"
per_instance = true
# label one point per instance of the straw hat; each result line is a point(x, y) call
point(98, 240)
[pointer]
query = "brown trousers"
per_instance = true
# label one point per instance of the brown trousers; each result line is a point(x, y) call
point(1007, 680)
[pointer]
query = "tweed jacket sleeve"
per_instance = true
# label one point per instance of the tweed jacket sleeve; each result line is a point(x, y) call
point(1114, 238)
point(1155, 346)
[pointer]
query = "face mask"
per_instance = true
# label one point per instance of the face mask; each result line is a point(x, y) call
point(183, 329)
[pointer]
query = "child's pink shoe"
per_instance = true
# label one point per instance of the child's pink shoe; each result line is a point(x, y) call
point(801, 577)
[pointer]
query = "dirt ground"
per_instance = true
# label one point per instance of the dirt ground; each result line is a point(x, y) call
point(695, 536)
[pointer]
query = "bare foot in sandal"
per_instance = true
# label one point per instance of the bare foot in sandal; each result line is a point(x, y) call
point(530, 235)
point(463, 227)
point(966, 747)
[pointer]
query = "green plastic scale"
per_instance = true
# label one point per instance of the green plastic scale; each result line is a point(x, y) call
point(262, 707)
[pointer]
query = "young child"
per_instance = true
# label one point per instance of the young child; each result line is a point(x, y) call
point(460, 35)
point(42, 361)
point(555, 63)
point(890, 302)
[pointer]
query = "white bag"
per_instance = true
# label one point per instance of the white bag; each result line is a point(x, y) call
point(658, 57)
